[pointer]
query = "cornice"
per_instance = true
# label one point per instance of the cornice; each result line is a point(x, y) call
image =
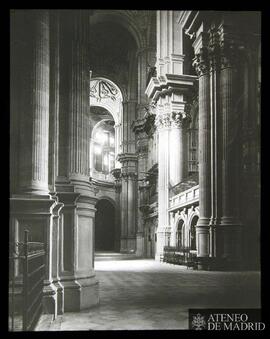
point(168, 84)
point(127, 157)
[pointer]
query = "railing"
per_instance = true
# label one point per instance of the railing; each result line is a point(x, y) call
point(182, 199)
point(180, 256)
point(27, 258)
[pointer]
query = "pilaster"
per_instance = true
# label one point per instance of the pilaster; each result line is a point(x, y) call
point(34, 105)
point(231, 49)
point(73, 188)
point(217, 49)
point(201, 64)
point(178, 139)
point(128, 202)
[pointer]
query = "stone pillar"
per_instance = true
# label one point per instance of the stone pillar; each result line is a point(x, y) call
point(117, 142)
point(139, 127)
point(56, 245)
point(117, 175)
point(66, 264)
point(132, 211)
point(128, 202)
point(54, 99)
point(230, 223)
point(202, 228)
point(78, 214)
point(79, 92)
point(178, 150)
point(173, 229)
point(34, 131)
point(91, 157)
point(163, 127)
point(124, 222)
point(31, 208)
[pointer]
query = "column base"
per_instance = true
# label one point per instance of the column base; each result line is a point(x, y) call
point(80, 294)
point(161, 241)
point(217, 264)
point(50, 300)
point(231, 242)
point(140, 245)
point(203, 263)
point(203, 238)
point(128, 245)
point(60, 297)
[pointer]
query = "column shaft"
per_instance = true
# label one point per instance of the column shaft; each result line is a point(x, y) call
point(79, 109)
point(178, 147)
point(231, 249)
point(163, 124)
point(54, 100)
point(202, 229)
point(124, 216)
point(34, 133)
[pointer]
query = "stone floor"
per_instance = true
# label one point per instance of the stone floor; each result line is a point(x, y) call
point(143, 294)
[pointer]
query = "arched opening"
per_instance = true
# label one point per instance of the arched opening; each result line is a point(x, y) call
point(180, 234)
point(105, 226)
point(105, 120)
point(192, 233)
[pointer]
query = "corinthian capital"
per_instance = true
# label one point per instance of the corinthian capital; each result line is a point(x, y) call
point(180, 119)
point(163, 120)
point(214, 48)
point(230, 47)
point(201, 62)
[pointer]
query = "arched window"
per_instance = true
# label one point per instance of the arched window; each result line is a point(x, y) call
point(180, 234)
point(103, 147)
point(192, 233)
point(106, 117)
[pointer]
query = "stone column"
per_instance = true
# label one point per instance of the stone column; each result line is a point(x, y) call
point(117, 142)
point(117, 175)
point(91, 157)
point(178, 150)
point(173, 230)
point(34, 131)
point(230, 223)
point(54, 99)
point(124, 222)
point(163, 127)
point(31, 208)
point(56, 245)
point(142, 150)
point(202, 68)
point(78, 214)
point(66, 262)
point(79, 92)
point(132, 211)
point(128, 202)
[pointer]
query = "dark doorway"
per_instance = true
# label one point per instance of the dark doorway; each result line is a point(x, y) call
point(179, 234)
point(105, 226)
point(193, 233)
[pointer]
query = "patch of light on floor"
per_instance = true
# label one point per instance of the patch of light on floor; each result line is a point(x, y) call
point(132, 265)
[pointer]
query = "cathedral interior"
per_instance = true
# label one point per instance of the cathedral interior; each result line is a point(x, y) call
point(134, 132)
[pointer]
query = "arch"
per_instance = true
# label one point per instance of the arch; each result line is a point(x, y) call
point(192, 232)
point(194, 213)
point(105, 197)
point(180, 235)
point(123, 18)
point(97, 125)
point(112, 103)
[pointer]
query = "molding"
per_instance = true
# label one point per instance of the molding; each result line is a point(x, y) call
point(123, 157)
point(20, 205)
point(163, 85)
